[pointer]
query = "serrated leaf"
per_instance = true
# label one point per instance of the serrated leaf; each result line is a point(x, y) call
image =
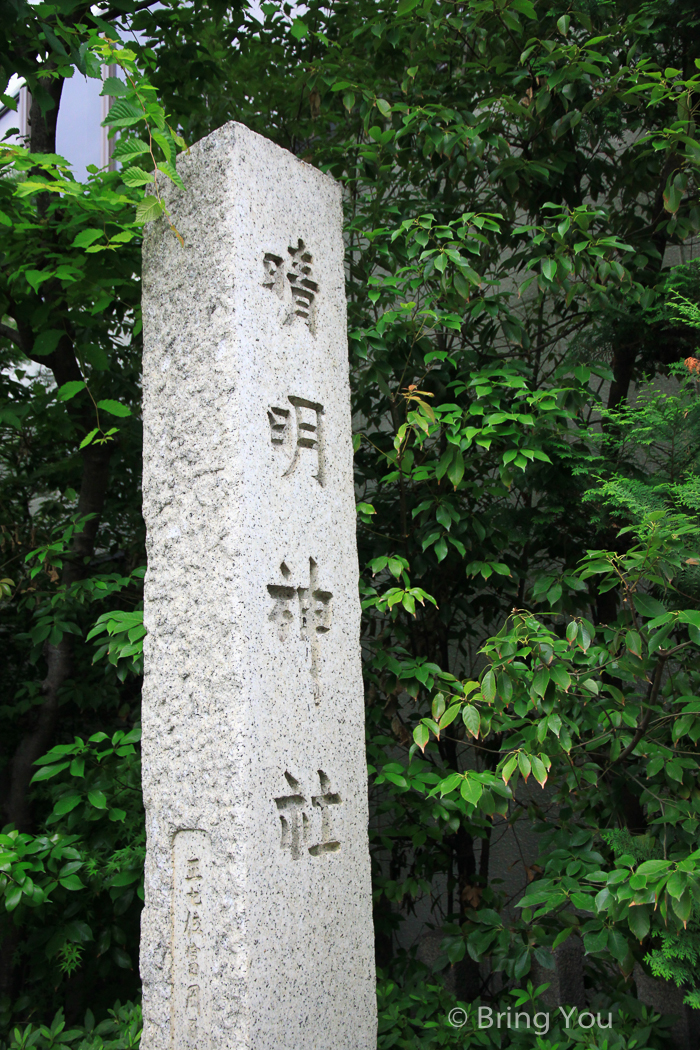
point(70, 389)
point(115, 87)
point(130, 148)
point(136, 177)
point(86, 237)
point(115, 408)
point(123, 111)
point(148, 209)
point(88, 437)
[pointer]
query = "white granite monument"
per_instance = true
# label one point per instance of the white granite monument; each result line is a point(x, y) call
point(257, 928)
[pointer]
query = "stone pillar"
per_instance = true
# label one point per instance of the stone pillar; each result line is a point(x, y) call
point(257, 929)
point(666, 998)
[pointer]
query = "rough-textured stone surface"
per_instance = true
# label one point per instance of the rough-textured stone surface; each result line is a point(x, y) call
point(565, 979)
point(257, 930)
point(666, 998)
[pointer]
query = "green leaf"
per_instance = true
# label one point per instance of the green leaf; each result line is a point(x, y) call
point(66, 804)
point(405, 6)
point(471, 790)
point(46, 342)
point(383, 107)
point(126, 878)
point(549, 269)
point(49, 771)
point(617, 945)
point(148, 209)
point(472, 720)
point(509, 768)
point(97, 799)
point(88, 437)
point(71, 882)
point(596, 942)
point(70, 389)
point(421, 735)
point(525, 7)
point(647, 606)
point(634, 643)
point(639, 921)
point(455, 470)
point(121, 958)
point(299, 30)
point(683, 907)
point(539, 771)
point(13, 895)
point(488, 686)
point(86, 237)
point(653, 867)
point(540, 681)
point(560, 676)
point(115, 408)
point(136, 177)
point(77, 767)
point(114, 86)
point(123, 114)
point(450, 715)
point(130, 148)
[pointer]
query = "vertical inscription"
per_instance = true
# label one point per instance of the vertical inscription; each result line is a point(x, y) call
point(191, 1012)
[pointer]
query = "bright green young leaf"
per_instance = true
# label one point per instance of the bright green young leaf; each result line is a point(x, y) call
point(70, 389)
point(115, 408)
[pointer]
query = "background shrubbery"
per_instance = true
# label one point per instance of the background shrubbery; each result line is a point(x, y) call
point(520, 179)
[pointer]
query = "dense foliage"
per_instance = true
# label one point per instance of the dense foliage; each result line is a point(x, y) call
point(518, 180)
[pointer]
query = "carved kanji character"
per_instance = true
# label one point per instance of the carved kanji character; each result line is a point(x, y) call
point(293, 819)
point(328, 798)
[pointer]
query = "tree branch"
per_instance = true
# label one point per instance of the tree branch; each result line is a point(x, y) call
point(644, 724)
point(12, 334)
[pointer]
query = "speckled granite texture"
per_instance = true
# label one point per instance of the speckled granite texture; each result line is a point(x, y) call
point(257, 929)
